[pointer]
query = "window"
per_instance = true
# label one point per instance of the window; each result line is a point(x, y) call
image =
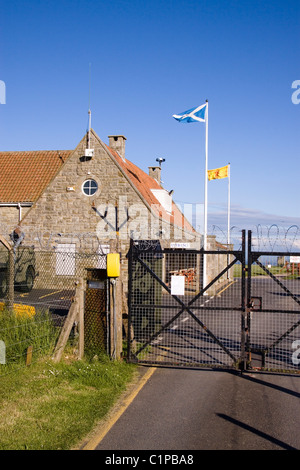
point(89, 187)
point(102, 252)
point(65, 259)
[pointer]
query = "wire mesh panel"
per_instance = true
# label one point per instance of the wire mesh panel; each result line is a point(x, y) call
point(38, 288)
point(47, 280)
point(95, 313)
point(274, 317)
point(175, 320)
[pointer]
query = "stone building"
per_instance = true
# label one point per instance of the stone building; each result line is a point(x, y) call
point(87, 196)
point(90, 200)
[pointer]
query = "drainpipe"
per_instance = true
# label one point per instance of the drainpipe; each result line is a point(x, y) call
point(20, 212)
point(19, 205)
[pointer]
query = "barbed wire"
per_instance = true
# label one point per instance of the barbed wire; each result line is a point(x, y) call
point(268, 238)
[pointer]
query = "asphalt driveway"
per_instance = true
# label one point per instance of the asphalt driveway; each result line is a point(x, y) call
point(180, 409)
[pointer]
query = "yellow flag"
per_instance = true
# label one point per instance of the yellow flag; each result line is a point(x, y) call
point(218, 173)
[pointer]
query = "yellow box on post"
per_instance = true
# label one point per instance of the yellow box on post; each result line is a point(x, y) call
point(113, 264)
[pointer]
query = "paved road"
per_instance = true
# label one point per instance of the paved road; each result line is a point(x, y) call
point(54, 299)
point(210, 410)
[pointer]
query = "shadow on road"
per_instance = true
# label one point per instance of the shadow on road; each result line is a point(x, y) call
point(269, 438)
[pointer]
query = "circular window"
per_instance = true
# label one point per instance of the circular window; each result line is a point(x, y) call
point(89, 187)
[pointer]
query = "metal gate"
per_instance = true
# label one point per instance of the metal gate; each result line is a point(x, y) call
point(232, 322)
point(273, 313)
point(199, 326)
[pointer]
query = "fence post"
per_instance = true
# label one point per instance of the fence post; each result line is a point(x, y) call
point(65, 332)
point(29, 355)
point(11, 280)
point(81, 318)
point(10, 277)
point(2, 352)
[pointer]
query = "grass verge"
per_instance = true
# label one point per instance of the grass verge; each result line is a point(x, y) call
point(50, 406)
point(258, 271)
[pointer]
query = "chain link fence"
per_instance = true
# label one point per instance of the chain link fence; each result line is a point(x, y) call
point(37, 290)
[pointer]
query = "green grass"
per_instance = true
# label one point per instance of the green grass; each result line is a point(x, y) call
point(50, 406)
point(258, 271)
point(21, 331)
point(47, 405)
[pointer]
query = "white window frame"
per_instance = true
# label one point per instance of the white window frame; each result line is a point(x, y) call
point(102, 252)
point(65, 259)
point(89, 188)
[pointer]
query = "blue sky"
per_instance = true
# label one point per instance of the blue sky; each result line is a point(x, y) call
point(152, 59)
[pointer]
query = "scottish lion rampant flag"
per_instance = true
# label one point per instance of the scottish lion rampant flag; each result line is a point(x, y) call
point(218, 173)
point(192, 115)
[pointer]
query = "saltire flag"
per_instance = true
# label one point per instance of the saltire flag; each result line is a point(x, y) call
point(192, 115)
point(218, 173)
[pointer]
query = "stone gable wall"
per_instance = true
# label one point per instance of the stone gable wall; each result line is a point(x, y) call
point(9, 218)
point(70, 213)
point(63, 216)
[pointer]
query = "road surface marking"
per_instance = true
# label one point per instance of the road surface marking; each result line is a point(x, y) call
point(219, 293)
point(159, 338)
point(52, 293)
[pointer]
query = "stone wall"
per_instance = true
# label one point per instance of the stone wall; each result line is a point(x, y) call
point(65, 215)
point(216, 264)
point(63, 211)
point(9, 218)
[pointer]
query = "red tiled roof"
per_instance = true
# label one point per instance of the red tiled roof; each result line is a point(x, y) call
point(25, 175)
point(144, 183)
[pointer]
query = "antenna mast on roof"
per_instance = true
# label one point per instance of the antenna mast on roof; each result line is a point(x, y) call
point(89, 112)
point(89, 152)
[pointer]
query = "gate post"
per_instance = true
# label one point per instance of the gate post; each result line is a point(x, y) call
point(114, 277)
point(249, 270)
point(115, 324)
point(243, 361)
point(129, 325)
point(81, 288)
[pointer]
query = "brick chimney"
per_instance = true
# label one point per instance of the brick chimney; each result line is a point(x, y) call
point(117, 143)
point(155, 172)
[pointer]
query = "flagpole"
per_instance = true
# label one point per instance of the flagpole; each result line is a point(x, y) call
point(228, 218)
point(205, 195)
point(196, 115)
point(228, 209)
